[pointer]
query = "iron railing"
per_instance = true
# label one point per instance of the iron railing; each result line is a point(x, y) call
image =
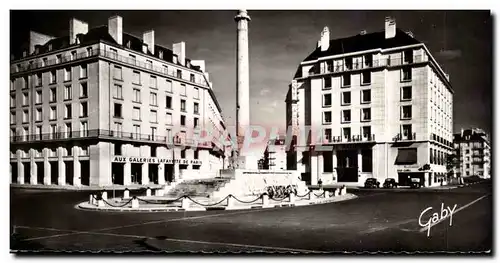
point(353, 138)
point(409, 137)
point(439, 139)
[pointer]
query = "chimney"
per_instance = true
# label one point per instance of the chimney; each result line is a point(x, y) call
point(363, 32)
point(115, 28)
point(180, 50)
point(149, 38)
point(390, 27)
point(37, 39)
point(325, 39)
point(410, 34)
point(199, 63)
point(76, 27)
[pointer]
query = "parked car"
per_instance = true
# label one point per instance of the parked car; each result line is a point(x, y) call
point(415, 183)
point(372, 183)
point(390, 183)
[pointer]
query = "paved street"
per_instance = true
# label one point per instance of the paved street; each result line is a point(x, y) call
point(376, 221)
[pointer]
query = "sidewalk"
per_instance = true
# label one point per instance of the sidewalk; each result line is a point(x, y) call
point(85, 188)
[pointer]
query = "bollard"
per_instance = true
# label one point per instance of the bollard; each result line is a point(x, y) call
point(311, 195)
point(104, 195)
point(344, 190)
point(337, 192)
point(126, 193)
point(135, 202)
point(327, 194)
point(91, 199)
point(265, 200)
point(148, 192)
point(100, 203)
point(185, 203)
point(230, 201)
point(291, 198)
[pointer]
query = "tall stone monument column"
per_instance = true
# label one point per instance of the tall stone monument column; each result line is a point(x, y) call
point(245, 160)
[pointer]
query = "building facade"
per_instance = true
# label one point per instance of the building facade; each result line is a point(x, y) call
point(101, 107)
point(373, 105)
point(275, 154)
point(474, 153)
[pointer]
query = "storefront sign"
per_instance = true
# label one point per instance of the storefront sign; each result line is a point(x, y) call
point(120, 159)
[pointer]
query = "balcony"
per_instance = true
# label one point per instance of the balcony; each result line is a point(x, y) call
point(350, 139)
point(25, 66)
point(386, 62)
point(441, 140)
point(401, 137)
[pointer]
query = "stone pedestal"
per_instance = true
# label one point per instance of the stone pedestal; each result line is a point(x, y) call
point(135, 202)
point(126, 193)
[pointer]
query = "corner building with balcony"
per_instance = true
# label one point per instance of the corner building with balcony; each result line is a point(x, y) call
point(378, 105)
point(101, 107)
point(473, 150)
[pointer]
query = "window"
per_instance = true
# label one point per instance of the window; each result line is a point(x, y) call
point(149, 64)
point(346, 98)
point(196, 154)
point(12, 117)
point(183, 120)
point(118, 148)
point(407, 133)
point(169, 86)
point(25, 98)
point(89, 51)
point(83, 90)
point(84, 128)
point(346, 132)
point(346, 116)
point(137, 95)
point(168, 119)
point(179, 73)
point(368, 59)
point(53, 77)
point(152, 82)
point(196, 108)
point(53, 113)
point(113, 53)
point(52, 95)
point(136, 113)
point(67, 93)
point(183, 89)
point(328, 135)
point(45, 62)
point(67, 74)
point(327, 82)
point(153, 99)
point(406, 93)
point(192, 78)
point(117, 113)
point(169, 134)
point(39, 79)
point(366, 131)
point(366, 78)
point(12, 86)
point(83, 71)
point(38, 96)
point(467, 166)
point(183, 105)
point(67, 111)
point(118, 129)
point(38, 116)
point(117, 92)
point(58, 58)
point(327, 117)
point(73, 55)
point(348, 63)
point(165, 68)
point(406, 112)
point(366, 114)
point(53, 131)
point(183, 153)
point(153, 116)
point(346, 80)
point(38, 132)
point(406, 74)
point(25, 82)
point(25, 116)
point(195, 120)
point(327, 100)
point(13, 100)
point(366, 96)
point(408, 56)
point(117, 74)
point(83, 109)
point(168, 102)
point(196, 93)
point(153, 148)
point(131, 57)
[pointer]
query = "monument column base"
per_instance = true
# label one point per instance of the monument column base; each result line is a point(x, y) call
point(247, 162)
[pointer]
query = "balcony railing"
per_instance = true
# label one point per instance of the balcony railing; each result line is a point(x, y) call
point(409, 137)
point(342, 67)
point(24, 66)
point(109, 134)
point(354, 138)
point(439, 139)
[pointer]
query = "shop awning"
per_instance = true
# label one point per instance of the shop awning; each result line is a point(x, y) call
point(407, 156)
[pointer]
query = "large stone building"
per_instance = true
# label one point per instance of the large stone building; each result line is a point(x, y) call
point(379, 105)
point(275, 154)
point(473, 149)
point(100, 107)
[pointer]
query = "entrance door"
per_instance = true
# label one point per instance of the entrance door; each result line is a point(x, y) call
point(169, 172)
point(13, 169)
point(54, 172)
point(117, 172)
point(153, 173)
point(347, 166)
point(136, 170)
point(39, 172)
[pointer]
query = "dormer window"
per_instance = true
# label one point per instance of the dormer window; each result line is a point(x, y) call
point(128, 44)
point(160, 54)
point(50, 47)
point(24, 53)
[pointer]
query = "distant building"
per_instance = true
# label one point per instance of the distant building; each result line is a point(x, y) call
point(379, 101)
point(99, 107)
point(275, 154)
point(474, 151)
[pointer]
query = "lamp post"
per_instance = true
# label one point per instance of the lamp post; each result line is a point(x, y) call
point(113, 178)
